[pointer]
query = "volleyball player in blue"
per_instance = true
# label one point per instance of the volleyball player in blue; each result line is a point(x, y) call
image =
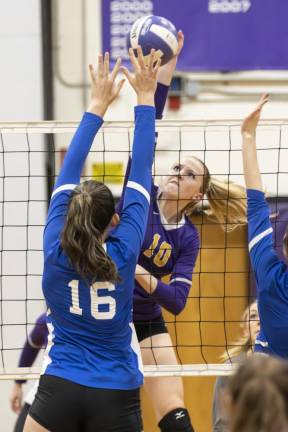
point(270, 272)
point(92, 369)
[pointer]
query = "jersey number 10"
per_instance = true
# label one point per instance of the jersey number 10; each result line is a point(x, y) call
point(96, 300)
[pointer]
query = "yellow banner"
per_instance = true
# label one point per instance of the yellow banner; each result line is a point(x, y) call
point(108, 172)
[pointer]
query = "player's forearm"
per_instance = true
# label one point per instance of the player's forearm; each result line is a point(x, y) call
point(147, 281)
point(143, 146)
point(79, 149)
point(145, 98)
point(127, 173)
point(173, 300)
point(28, 355)
point(173, 297)
point(250, 163)
point(99, 109)
point(160, 99)
point(27, 358)
point(166, 72)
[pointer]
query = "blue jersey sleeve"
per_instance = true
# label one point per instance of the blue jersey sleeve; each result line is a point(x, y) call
point(173, 296)
point(269, 270)
point(160, 100)
point(133, 217)
point(69, 177)
point(127, 173)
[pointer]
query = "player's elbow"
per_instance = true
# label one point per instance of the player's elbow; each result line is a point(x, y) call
point(178, 306)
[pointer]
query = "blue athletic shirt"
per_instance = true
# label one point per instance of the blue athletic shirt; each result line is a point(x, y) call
point(271, 278)
point(91, 339)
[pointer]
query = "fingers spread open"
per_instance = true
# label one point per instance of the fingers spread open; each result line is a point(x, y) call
point(133, 59)
point(126, 72)
point(116, 68)
point(156, 67)
point(140, 56)
point(119, 86)
point(151, 59)
point(91, 73)
point(100, 65)
point(106, 64)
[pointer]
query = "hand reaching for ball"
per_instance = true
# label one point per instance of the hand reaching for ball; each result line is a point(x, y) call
point(144, 76)
point(166, 71)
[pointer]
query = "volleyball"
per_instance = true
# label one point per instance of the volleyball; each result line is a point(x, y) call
point(154, 32)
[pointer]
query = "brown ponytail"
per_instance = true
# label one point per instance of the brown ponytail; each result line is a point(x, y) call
point(259, 396)
point(90, 210)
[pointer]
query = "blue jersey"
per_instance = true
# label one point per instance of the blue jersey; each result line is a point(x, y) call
point(271, 277)
point(91, 336)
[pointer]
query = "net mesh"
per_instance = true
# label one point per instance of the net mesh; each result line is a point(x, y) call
point(30, 157)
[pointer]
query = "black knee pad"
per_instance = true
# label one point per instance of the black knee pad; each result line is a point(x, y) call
point(176, 420)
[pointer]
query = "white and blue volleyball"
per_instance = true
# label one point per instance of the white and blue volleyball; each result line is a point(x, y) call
point(154, 32)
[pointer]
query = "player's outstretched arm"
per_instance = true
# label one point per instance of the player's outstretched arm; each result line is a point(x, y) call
point(134, 217)
point(104, 91)
point(249, 152)
point(165, 76)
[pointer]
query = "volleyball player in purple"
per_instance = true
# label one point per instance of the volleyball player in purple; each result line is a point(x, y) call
point(170, 247)
point(36, 340)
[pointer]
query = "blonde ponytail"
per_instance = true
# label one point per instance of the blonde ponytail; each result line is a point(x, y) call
point(227, 202)
point(244, 343)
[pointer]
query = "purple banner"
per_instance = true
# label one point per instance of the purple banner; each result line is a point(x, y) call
point(220, 35)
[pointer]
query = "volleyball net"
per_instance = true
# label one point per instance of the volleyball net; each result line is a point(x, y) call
point(30, 157)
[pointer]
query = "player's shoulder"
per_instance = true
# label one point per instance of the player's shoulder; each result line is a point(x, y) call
point(56, 257)
point(190, 231)
point(120, 252)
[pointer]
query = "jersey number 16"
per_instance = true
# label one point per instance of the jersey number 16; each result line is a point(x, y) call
point(96, 300)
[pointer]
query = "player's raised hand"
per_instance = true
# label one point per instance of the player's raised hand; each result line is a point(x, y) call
point(166, 71)
point(144, 76)
point(180, 43)
point(250, 123)
point(104, 89)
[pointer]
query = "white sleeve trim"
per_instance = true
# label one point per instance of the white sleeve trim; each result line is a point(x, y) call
point(139, 188)
point(262, 343)
point(62, 188)
point(259, 237)
point(32, 344)
point(180, 280)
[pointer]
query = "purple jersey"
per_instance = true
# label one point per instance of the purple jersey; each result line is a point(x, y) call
point(168, 249)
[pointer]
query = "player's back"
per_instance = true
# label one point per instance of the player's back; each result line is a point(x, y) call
point(91, 337)
point(89, 324)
